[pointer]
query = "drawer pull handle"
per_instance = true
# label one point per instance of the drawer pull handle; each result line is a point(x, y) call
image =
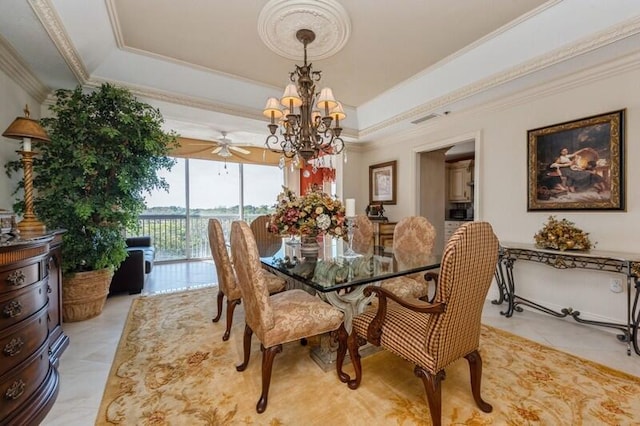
point(13, 309)
point(15, 390)
point(14, 347)
point(16, 278)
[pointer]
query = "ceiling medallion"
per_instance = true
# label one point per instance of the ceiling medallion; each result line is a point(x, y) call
point(280, 20)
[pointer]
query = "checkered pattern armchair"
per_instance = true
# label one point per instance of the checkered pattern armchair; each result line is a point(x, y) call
point(433, 335)
point(227, 282)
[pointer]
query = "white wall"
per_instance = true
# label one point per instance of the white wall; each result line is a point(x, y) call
point(353, 182)
point(501, 180)
point(12, 101)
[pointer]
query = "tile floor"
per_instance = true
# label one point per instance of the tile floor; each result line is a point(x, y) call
point(85, 364)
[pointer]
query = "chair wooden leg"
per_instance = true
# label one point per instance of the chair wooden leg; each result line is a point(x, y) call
point(434, 392)
point(268, 355)
point(475, 369)
point(247, 348)
point(342, 351)
point(353, 343)
point(231, 306)
point(219, 303)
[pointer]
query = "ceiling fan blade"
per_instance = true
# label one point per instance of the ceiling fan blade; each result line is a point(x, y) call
point(217, 150)
point(240, 150)
point(205, 143)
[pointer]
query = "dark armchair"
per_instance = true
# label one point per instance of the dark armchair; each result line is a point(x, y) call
point(133, 271)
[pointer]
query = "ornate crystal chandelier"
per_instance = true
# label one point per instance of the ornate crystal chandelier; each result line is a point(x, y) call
point(305, 131)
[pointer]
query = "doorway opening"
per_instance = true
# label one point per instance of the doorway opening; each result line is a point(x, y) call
point(446, 184)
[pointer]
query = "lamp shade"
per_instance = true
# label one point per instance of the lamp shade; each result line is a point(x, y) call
point(337, 113)
point(326, 99)
point(25, 127)
point(290, 97)
point(273, 106)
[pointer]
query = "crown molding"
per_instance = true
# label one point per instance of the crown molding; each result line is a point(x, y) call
point(479, 42)
point(562, 84)
point(17, 69)
point(589, 44)
point(171, 97)
point(52, 24)
point(190, 101)
point(115, 23)
point(559, 85)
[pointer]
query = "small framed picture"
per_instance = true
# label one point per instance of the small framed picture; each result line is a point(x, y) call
point(382, 183)
point(577, 165)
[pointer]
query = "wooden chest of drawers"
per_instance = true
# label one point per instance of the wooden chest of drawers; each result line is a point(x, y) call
point(31, 337)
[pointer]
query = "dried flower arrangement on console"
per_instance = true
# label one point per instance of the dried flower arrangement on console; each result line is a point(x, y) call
point(562, 235)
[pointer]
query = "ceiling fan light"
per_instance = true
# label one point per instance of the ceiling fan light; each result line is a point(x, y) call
point(224, 152)
point(326, 99)
point(291, 97)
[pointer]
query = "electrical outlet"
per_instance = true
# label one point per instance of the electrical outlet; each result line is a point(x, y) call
point(615, 284)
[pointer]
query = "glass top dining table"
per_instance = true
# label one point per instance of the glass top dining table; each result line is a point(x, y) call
point(336, 268)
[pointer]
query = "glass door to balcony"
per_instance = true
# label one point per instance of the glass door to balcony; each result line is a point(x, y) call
point(198, 190)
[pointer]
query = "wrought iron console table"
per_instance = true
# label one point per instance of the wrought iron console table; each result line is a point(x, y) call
point(627, 264)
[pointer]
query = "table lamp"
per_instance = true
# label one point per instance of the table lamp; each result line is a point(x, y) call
point(27, 129)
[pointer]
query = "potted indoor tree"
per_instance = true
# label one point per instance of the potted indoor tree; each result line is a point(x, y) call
point(105, 151)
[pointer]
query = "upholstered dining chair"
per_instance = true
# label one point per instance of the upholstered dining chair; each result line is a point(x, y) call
point(433, 335)
point(363, 235)
point(227, 283)
point(268, 242)
point(413, 239)
point(277, 319)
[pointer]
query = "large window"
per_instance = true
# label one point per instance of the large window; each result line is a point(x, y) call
point(200, 189)
point(261, 186)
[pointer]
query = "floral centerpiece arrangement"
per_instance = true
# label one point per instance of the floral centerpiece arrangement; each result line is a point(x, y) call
point(313, 214)
point(562, 235)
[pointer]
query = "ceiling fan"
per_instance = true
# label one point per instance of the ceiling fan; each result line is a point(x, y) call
point(225, 146)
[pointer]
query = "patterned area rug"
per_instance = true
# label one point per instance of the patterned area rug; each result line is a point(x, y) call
point(172, 368)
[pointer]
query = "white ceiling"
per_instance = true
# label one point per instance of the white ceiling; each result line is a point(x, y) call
point(204, 64)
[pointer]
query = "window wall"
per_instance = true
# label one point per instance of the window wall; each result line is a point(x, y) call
point(201, 189)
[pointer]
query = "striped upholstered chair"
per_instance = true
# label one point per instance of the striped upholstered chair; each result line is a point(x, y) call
point(413, 239)
point(433, 335)
point(284, 317)
point(227, 282)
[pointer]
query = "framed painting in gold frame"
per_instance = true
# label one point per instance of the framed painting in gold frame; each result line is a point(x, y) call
point(577, 165)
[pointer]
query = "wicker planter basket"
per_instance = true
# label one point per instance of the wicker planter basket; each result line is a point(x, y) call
point(84, 294)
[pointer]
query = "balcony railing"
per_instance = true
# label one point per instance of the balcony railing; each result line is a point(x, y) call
point(175, 240)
